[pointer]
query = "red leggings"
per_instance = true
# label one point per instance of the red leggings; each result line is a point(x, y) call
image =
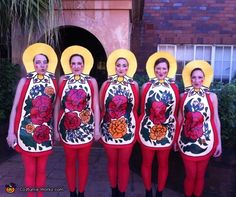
point(146, 169)
point(118, 166)
point(83, 158)
point(35, 172)
point(194, 176)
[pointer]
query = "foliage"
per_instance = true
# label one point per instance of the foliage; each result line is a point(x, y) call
point(216, 86)
point(227, 113)
point(8, 80)
point(29, 14)
point(141, 78)
point(180, 85)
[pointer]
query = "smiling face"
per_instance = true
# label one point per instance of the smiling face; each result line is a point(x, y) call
point(121, 67)
point(197, 78)
point(40, 64)
point(161, 70)
point(77, 64)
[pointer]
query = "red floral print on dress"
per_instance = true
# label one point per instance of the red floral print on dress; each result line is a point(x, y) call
point(41, 111)
point(41, 134)
point(157, 112)
point(76, 100)
point(71, 121)
point(117, 106)
point(193, 127)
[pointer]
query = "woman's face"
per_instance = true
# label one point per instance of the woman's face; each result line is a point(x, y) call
point(197, 79)
point(40, 64)
point(121, 67)
point(161, 70)
point(77, 65)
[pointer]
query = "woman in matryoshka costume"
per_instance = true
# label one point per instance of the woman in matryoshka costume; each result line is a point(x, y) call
point(119, 104)
point(30, 129)
point(77, 114)
point(158, 120)
point(199, 136)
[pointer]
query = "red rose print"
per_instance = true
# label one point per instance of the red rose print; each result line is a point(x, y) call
point(157, 112)
point(193, 127)
point(41, 134)
point(117, 106)
point(76, 100)
point(41, 110)
point(71, 121)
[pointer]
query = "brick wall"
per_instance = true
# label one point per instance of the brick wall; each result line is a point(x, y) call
point(183, 22)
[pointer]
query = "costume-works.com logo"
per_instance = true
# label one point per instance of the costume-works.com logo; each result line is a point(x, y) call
point(10, 188)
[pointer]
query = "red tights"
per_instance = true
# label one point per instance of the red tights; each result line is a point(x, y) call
point(194, 176)
point(146, 169)
point(83, 158)
point(118, 166)
point(35, 172)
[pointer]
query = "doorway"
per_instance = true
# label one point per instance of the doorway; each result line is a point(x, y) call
point(73, 35)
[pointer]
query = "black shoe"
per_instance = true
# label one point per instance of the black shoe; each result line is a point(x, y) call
point(121, 194)
point(73, 194)
point(149, 193)
point(81, 194)
point(114, 192)
point(159, 194)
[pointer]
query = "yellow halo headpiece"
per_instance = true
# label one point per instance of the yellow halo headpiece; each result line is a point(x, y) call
point(204, 66)
point(75, 49)
point(39, 48)
point(157, 55)
point(122, 53)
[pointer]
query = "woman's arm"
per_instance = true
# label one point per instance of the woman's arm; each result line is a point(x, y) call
point(97, 134)
point(217, 123)
point(180, 122)
point(56, 113)
point(11, 137)
point(142, 98)
point(136, 96)
point(101, 100)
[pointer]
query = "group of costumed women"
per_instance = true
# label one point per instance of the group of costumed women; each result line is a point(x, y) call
point(43, 113)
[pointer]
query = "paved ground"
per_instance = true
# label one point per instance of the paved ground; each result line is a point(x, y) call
point(11, 170)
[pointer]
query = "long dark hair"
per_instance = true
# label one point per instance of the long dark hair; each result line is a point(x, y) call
point(122, 58)
point(161, 60)
point(195, 70)
point(42, 55)
point(76, 55)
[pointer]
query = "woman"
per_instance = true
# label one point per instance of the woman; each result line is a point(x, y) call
point(199, 136)
point(30, 129)
point(119, 103)
point(79, 116)
point(158, 120)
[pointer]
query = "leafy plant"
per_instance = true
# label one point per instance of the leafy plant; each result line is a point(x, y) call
point(227, 113)
point(8, 80)
point(141, 78)
point(30, 15)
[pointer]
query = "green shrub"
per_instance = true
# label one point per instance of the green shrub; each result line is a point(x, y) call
point(141, 78)
point(227, 113)
point(8, 80)
point(180, 85)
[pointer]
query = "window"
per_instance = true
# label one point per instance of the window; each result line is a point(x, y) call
point(221, 57)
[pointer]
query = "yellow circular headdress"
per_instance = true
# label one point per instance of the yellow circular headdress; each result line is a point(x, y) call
point(204, 66)
point(161, 54)
point(75, 49)
point(122, 53)
point(39, 48)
